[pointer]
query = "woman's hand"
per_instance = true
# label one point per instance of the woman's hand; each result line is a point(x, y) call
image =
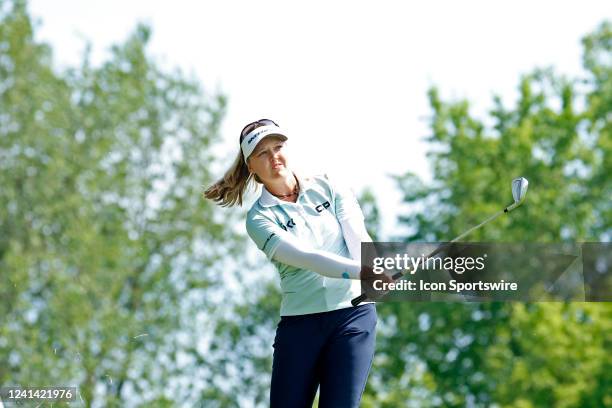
point(374, 284)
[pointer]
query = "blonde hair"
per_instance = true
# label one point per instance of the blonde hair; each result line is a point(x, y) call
point(230, 189)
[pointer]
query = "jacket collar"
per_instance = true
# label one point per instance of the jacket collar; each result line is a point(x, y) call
point(266, 199)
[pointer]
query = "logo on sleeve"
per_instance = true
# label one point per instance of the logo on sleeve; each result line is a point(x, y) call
point(322, 207)
point(290, 224)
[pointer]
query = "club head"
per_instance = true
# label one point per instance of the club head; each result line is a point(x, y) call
point(519, 189)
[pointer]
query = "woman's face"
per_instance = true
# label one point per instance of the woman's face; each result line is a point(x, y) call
point(269, 161)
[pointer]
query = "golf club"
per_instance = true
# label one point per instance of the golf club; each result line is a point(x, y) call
point(519, 190)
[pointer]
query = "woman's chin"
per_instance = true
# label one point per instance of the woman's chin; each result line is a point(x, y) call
point(281, 171)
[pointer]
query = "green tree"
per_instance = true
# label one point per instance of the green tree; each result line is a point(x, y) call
point(242, 349)
point(107, 251)
point(519, 355)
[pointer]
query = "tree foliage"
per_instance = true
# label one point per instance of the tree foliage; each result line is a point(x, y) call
point(107, 249)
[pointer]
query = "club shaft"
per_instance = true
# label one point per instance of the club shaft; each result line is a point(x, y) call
point(491, 218)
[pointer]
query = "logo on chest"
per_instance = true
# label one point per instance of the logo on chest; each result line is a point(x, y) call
point(322, 207)
point(290, 224)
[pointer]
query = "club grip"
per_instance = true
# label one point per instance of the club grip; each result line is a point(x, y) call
point(359, 299)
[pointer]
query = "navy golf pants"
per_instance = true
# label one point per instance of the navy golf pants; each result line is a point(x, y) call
point(332, 350)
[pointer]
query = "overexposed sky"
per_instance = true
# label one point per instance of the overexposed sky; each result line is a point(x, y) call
point(347, 79)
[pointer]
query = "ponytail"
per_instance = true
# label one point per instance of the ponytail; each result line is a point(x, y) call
point(230, 189)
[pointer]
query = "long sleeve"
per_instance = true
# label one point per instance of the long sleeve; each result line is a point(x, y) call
point(354, 232)
point(325, 263)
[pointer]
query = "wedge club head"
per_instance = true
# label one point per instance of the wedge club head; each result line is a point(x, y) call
point(519, 189)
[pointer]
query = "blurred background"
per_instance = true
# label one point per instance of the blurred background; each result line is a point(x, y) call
point(117, 277)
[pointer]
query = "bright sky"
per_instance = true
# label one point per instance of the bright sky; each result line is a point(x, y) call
point(347, 79)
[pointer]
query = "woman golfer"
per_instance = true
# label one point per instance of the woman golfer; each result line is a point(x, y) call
point(311, 229)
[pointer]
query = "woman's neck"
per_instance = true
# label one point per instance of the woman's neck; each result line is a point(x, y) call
point(284, 189)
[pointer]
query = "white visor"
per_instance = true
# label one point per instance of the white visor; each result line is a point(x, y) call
point(250, 141)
